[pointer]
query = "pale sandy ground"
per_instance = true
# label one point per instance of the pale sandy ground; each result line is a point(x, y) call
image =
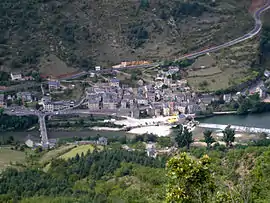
point(106, 129)
point(156, 130)
point(133, 122)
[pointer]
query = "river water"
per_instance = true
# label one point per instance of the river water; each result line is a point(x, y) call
point(22, 136)
point(252, 120)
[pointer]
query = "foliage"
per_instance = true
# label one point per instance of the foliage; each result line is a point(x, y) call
point(189, 180)
point(4, 76)
point(208, 138)
point(90, 170)
point(8, 123)
point(137, 35)
point(164, 142)
point(184, 138)
point(228, 136)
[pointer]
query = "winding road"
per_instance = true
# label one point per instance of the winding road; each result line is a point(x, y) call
point(257, 28)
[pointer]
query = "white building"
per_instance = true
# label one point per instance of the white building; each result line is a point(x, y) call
point(48, 107)
point(16, 76)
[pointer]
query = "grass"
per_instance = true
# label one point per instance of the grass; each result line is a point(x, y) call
point(55, 153)
point(229, 67)
point(8, 157)
point(78, 150)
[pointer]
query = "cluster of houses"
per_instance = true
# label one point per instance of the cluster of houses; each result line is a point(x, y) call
point(25, 97)
point(20, 77)
point(151, 99)
point(50, 106)
point(164, 97)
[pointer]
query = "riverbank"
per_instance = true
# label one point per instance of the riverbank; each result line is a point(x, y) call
point(261, 120)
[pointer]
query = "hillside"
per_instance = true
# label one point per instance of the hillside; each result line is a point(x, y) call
point(239, 174)
point(62, 36)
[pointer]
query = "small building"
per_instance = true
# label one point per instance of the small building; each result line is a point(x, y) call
point(102, 141)
point(193, 109)
point(16, 76)
point(2, 88)
point(267, 73)
point(206, 99)
point(140, 82)
point(181, 109)
point(2, 101)
point(227, 98)
point(124, 103)
point(97, 68)
point(114, 82)
point(109, 102)
point(48, 106)
point(93, 104)
point(142, 101)
point(29, 143)
point(54, 85)
point(262, 91)
point(151, 152)
point(25, 96)
point(59, 105)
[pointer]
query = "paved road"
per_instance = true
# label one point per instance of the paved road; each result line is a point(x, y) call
point(22, 111)
point(257, 28)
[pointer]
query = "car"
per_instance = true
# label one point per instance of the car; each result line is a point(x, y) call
point(12, 110)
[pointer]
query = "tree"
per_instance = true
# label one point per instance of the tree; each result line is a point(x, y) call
point(164, 142)
point(184, 138)
point(228, 136)
point(1, 111)
point(189, 180)
point(208, 138)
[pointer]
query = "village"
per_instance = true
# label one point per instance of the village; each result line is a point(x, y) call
point(166, 95)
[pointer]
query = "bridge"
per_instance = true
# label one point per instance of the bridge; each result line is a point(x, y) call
point(236, 127)
point(43, 131)
point(69, 111)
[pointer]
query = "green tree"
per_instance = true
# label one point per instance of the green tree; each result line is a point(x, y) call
point(1, 111)
point(164, 142)
point(189, 180)
point(208, 138)
point(184, 138)
point(228, 136)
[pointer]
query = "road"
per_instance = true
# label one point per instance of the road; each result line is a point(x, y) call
point(257, 28)
point(43, 131)
point(22, 111)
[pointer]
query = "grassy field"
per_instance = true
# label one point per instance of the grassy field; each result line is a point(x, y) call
point(55, 153)
point(78, 150)
point(8, 156)
point(224, 69)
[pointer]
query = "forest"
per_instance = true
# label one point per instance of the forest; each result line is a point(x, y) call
point(233, 174)
point(8, 123)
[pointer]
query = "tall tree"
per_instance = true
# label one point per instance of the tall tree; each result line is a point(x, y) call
point(208, 138)
point(228, 136)
point(189, 180)
point(184, 137)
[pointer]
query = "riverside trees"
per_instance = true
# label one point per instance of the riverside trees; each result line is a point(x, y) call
point(183, 137)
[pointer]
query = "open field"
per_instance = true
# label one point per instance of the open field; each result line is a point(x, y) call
point(55, 153)
point(224, 69)
point(204, 72)
point(78, 150)
point(52, 65)
point(8, 156)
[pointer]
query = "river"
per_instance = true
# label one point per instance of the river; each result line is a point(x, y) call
point(22, 136)
point(252, 120)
